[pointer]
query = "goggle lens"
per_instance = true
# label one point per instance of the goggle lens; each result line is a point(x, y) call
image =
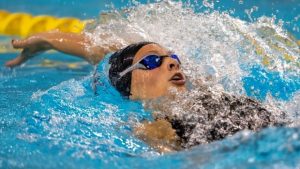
point(154, 61)
point(176, 58)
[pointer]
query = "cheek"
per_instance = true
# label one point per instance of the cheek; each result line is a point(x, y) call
point(150, 78)
point(153, 80)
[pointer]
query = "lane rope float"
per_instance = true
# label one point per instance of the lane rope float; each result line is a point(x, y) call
point(24, 24)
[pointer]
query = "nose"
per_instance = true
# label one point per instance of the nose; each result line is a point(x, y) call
point(173, 64)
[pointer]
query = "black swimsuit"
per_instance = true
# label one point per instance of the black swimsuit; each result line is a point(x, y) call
point(211, 118)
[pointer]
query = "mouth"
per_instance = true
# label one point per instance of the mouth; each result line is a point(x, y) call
point(178, 79)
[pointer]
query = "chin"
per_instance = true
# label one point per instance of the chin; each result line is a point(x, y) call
point(178, 87)
point(175, 89)
point(181, 89)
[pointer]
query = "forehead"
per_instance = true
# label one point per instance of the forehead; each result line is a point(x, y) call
point(150, 49)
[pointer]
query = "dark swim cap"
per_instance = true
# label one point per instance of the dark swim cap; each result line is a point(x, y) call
point(121, 60)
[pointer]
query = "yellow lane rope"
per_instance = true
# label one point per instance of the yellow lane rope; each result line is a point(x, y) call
point(23, 24)
point(47, 63)
point(266, 58)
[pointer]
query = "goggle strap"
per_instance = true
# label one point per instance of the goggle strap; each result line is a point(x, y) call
point(131, 68)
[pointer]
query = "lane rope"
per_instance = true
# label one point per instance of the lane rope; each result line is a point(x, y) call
point(24, 24)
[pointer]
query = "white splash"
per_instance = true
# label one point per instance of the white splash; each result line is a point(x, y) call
point(73, 89)
point(216, 49)
point(210, 44)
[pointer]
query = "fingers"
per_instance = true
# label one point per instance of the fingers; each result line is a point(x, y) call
point(31, 47)
point(34, 40)
point(19, 44)
point(25, 55)
point(15, 62)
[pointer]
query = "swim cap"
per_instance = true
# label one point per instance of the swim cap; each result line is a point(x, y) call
point(120, 61)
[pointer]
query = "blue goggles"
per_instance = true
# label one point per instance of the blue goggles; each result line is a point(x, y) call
point(149, 62)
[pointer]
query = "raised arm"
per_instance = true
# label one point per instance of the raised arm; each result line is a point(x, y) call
point(69, 43)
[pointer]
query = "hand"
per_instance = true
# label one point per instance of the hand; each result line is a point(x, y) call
point(158, 134)
point(31, 47)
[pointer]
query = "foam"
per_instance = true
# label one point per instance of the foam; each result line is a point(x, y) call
point(217, 51)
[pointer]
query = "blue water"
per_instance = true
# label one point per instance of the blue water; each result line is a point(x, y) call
point(262, 82)
point(51, 117)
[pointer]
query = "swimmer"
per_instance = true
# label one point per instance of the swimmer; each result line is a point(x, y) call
point(147, 71)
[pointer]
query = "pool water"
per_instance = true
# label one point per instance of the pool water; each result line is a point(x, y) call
point(52, 118)
point(54, 121)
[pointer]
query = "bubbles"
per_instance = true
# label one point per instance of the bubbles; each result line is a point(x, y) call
point(207, 42)
point(218, 51)
point(250, 11)
point(70, 118)
point(206, 114)
point(213, 44)
point(291, 106)
point(208, 4)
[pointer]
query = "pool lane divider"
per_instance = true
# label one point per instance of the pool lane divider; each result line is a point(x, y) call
point(267, 58)
point(24, 24)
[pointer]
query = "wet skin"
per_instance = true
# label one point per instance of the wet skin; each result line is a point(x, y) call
point(149, 84)
point(145, 84)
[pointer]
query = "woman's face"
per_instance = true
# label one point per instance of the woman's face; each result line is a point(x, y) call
point(149, 84)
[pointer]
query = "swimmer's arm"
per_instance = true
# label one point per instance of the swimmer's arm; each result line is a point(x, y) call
point(69, 43)
point(158, 134)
